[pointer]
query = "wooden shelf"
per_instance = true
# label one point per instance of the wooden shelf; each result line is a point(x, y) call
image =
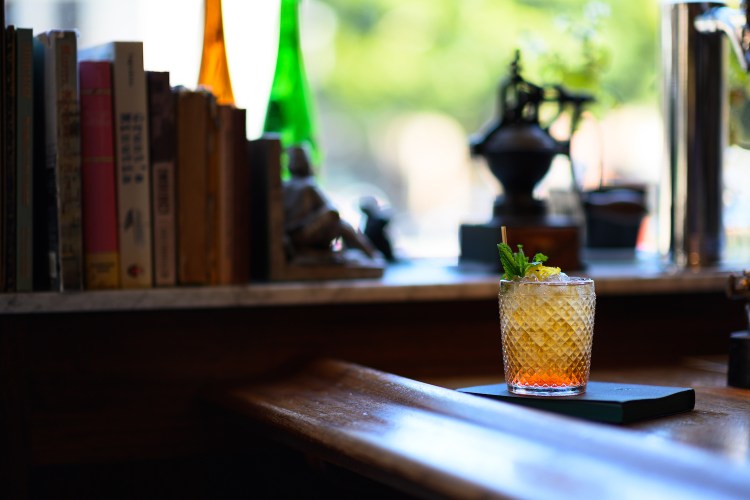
point(414, 281)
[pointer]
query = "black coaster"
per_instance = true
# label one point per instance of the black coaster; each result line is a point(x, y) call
point(603, 401)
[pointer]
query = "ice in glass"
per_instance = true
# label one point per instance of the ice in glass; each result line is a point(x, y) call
point(547, 328)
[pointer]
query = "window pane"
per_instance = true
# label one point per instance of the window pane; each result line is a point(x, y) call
point(401, 86)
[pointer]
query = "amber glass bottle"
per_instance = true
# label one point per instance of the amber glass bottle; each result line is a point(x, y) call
point(290, 107)
point(214, 73)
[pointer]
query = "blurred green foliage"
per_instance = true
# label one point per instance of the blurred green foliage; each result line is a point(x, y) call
point(449, 55)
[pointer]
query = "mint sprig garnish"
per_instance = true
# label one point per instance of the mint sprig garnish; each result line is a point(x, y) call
point(515, 264)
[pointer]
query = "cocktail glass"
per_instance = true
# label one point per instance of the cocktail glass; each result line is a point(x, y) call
point(547, 330)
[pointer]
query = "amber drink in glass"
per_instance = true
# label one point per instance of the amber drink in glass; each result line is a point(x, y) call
point(547, 331)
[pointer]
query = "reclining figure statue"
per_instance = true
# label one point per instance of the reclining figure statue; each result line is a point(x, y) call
point(311, 222)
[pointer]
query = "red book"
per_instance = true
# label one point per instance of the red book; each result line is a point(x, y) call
point(98, 176)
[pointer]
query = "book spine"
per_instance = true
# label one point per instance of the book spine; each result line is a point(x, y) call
point(266, 211)
point(101, 252)
point(9, 179)
point(259, 254)
point(192, 155)
point(161, 105)
point(277, 254)
point(2, 152)
point(134, 185)
point(165, 241)
point(40, 193)
point(25, 160)
point(241, 208)
point(212, 191)
point(63, 159)
point(225, 198)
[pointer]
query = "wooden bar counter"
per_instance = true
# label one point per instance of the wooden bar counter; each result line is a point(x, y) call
point(719, 424)
point(102, 388)
point(433, 442)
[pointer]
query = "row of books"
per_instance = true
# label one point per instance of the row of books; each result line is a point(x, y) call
point(111, 178)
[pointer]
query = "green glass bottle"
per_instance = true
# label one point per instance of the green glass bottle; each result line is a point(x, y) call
point(290, 107)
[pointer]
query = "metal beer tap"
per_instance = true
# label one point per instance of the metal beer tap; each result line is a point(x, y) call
point(694, 36)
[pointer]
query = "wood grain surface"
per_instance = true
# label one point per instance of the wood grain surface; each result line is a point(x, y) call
point(433, 441)
point(720, 422)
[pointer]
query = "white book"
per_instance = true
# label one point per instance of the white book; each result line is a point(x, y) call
point(132, 158)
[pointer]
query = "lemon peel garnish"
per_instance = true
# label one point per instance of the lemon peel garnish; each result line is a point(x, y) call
point(541, 272)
